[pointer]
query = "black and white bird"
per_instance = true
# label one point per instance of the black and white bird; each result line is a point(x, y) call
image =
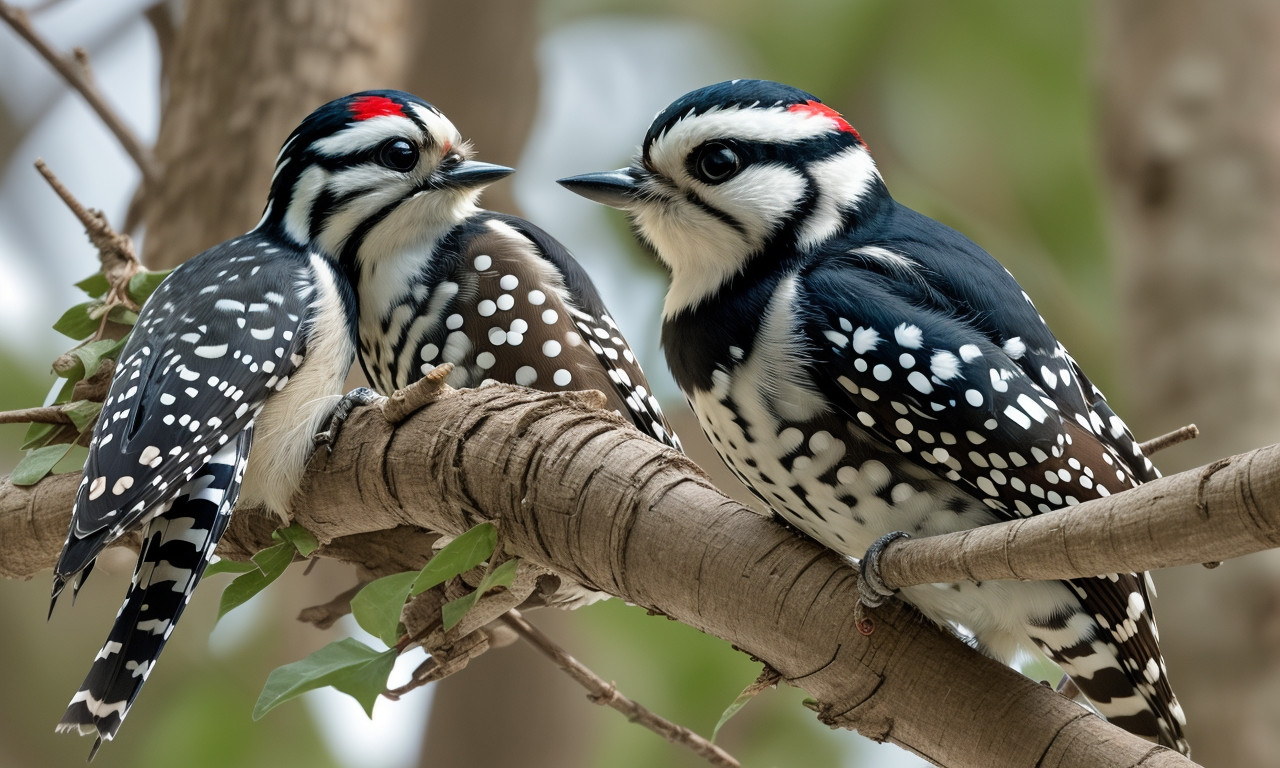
point(236, 361)
point(865, 370)
point(439, 280)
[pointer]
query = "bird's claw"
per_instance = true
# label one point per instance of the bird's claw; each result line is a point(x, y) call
point(341, 412)
point(872, 591)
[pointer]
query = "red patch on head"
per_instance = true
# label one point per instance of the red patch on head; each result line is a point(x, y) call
point(366, 107)
point(822, 110)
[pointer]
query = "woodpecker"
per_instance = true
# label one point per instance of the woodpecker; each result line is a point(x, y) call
point(866, 371)
point(440, 280)
point(235, 362)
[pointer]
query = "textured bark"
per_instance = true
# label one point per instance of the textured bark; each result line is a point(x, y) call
point(1227, 509)
point(577, 490)
point(1191, 111)
point(242, 75)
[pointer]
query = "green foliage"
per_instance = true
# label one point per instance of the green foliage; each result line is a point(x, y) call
point(267, 566)
point(377, 607)
point(348, 665)
point(502, 576)
point(457, 557)
point(271, 564)
point(734, 707)
point(356, 669)
point(143, 284)
point(78, 322)
point(82, 322)
point(38, 463)
point(302, 540)
point(223, 565)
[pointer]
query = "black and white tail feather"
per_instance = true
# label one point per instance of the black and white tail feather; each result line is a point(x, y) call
point(176, 547)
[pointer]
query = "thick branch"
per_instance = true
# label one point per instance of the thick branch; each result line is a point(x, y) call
point(575, 490)
point(75, 71)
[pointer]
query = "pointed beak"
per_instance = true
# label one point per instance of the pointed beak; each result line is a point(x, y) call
point(617, 189)
point(472, 173)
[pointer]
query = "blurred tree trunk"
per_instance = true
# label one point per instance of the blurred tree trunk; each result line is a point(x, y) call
point(240, 76)
point(1191, 112)
point(476, 62)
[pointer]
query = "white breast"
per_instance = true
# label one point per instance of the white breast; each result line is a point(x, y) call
point(283, 430)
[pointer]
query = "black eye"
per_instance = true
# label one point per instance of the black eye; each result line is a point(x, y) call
point(716, 162)
point(398, 155)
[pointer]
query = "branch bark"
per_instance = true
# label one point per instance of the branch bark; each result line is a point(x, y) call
point(1226, 509)
point(576, 490)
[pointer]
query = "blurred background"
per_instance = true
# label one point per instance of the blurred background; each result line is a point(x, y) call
point(1119, 157)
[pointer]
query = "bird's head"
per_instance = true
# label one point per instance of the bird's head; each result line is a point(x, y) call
point(377, 167)
point(733, 171)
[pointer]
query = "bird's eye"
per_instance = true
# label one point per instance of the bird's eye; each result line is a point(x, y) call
point(398, 155)
point(716, 162)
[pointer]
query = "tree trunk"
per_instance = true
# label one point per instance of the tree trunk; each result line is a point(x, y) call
point(1191, 111)
point(242, 76)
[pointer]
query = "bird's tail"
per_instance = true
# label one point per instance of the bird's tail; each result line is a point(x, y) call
point(1110, 650)
point(176, 547)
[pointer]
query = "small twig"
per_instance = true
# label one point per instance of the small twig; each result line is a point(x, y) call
point(606, 694)
point(403, 403)
point(324, 615)
point(115, 251)
point(74, 69)
point(51, 415)
point(1182, 435)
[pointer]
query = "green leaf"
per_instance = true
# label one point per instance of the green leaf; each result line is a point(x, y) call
point(37, 434)
point(38, 463)
point(143, 284)
point(377, 606)
point(502, 576)
point(78, 322)
point(230, 566)
point(91, 356)
point(271, 562)
point(731, 710)
point(95, 285)
point(302, 540)
point(457, 557)
point(82, 412)
point(348, 665)
point(64, 394)
point(123, 315)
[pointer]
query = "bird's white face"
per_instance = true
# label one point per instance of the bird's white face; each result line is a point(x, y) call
point(375, 175)
point(717, 186)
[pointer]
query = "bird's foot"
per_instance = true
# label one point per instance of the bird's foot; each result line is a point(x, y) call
point(872, 590)
point(342, 411)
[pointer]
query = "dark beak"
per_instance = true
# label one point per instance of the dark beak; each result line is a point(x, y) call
point(472, 173)
point(617, 189)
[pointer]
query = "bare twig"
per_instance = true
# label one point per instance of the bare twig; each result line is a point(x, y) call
point(606, 694)
point(119, 261)
point(50, 415)
point(1181, 435)
point(403, 403)
point(75, 71)
point(324, 615)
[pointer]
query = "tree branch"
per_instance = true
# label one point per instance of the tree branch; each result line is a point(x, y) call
point(1227, 509)
point(606, 694)
point(578, 491)
point(75, 71)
